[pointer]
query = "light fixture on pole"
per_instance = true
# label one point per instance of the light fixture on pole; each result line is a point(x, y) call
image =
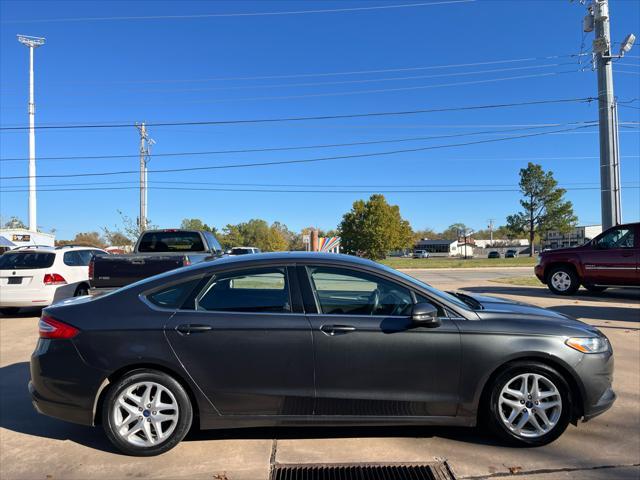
point(32, 43)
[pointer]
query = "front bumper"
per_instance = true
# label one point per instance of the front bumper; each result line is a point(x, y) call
point(62, 385)
point(539, 271)
point(596, 374)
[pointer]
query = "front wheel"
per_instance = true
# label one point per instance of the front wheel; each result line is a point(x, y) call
point(146, 413)
point(529, 404)
point(563, 281)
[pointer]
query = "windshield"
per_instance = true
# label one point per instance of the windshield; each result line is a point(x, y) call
point(241, 251)
point(171, 242)
point(425, 286)
point(26, 261)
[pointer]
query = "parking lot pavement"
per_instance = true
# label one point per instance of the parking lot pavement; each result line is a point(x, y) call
point(33, 446)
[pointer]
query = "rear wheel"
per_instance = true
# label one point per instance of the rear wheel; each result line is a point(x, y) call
point(9, 310)
point(595, 288)
point(530, 404)
point(146, 413)
point(563, 280)
point(81, 291)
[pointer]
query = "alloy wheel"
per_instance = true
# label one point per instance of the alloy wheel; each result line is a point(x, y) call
point(530, 405)
point(145, 414)
point(561, 281)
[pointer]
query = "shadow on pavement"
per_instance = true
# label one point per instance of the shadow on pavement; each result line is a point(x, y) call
point(619, 314)
point(614, 294)
point(18, 415)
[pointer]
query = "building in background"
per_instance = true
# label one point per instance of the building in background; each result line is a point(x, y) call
point(329, 244)
point(440, 248)
point(21, 237)
point(502, 242)
point(573, 238)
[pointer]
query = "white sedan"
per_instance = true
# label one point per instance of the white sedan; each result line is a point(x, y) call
point(40, 276)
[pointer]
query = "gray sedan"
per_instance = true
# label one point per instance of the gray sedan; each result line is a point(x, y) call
point(312, 339)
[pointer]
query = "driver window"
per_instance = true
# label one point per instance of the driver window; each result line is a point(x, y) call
point(617, 238)
point(348, 292)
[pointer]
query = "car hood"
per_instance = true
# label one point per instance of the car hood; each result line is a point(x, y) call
point(495, 308)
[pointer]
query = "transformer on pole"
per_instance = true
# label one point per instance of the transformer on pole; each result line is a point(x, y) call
point(32, 43)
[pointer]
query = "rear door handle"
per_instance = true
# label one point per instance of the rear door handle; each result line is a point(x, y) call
point(627, 254)
point(189, 328)
point(333, 330)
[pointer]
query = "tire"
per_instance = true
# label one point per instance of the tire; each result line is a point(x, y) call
point(563, 280)
point(81, 291)
point(9, 311)
point(177, 414)
point(534, 432)
point(595, 288)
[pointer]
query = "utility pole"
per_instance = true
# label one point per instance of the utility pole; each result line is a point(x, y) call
point(491, 232)
point(597, 19)
point(145, 152)
point(32, 43)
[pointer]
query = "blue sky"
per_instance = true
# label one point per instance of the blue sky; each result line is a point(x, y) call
point(182, 69)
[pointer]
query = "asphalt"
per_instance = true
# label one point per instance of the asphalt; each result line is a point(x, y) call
point(33, 446)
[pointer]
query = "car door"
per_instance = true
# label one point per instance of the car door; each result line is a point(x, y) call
point(370, 359)
point(613, 257)
point(247, 344)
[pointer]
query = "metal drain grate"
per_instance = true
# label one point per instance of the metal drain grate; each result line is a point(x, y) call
point(363, 471)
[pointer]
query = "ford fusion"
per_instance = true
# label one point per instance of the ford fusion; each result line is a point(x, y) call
point(312, 339)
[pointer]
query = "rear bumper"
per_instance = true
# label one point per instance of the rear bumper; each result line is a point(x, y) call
point(42, 297)
point(62, 385)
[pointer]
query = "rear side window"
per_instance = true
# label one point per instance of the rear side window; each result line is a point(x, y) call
point(26, 261)
point(171, 242)
point(72, 259)
point(256, 290)
point(175, 295)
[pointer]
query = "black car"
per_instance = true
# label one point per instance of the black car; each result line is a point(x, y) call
point(493, 254)
point(307, 338)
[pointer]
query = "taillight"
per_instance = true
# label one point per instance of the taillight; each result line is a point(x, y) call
point(54, 279)
point(91, 268)
point(186, 262)
point(49, 327)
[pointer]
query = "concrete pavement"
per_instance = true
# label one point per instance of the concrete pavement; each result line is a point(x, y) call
point(33, 446)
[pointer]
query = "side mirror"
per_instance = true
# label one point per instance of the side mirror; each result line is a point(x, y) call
point(425, 315)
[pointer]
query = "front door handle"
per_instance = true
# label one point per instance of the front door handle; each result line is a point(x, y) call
point(189, 328)
point(333, 330)
point(627, 254)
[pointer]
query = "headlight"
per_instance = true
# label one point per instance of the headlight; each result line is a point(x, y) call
point(588, 344)
point(539, 259)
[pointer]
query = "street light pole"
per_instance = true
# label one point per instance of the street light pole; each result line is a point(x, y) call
point(32, 43)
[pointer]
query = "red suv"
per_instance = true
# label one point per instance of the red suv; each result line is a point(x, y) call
point(610, 259)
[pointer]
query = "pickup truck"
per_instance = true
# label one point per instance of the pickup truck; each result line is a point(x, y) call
point(156, 251)
point(610, 259)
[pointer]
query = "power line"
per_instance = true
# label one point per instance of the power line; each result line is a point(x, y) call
point(291, 185)
point(298, 119)
point(301, 147)
point(307, 160)
point(239, 14)
point(307, 191)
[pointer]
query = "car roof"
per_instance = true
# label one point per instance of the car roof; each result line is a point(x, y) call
point(286, 257)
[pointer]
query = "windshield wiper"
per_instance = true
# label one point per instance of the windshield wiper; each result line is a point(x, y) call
point(472, 302)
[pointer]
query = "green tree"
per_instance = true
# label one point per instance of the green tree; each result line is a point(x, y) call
point(544, 207)
point(88, 239)
point(452, 232)
point(256, 233)
point(117, 239)
point(426, 233)
point(128, 227)
point(373, 228)
point(196, 224)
